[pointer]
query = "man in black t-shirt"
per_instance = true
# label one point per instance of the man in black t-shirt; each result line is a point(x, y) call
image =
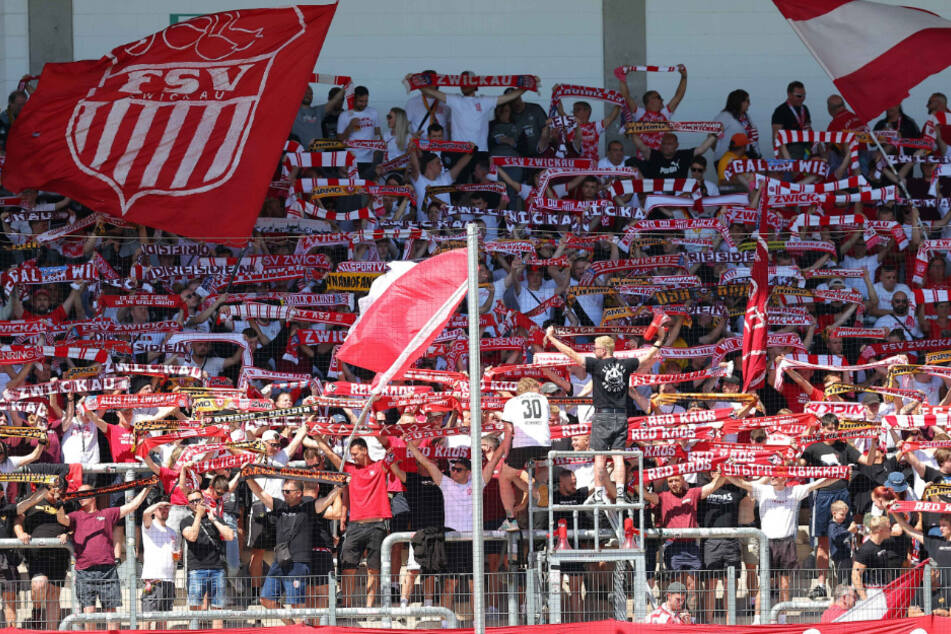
point(294, 547)
point(669, 161)
point(793, 114)
point(10, 559)
point(939, 549)
point(829, 453)
point(568, 493)
point(878, 560)
point(204, 537)
point(609, 395)
point(720, 509)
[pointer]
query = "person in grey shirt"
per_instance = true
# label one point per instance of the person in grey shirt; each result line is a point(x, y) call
point(308, 122)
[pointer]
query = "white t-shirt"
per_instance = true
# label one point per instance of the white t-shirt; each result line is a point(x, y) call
point(416, 111)
point(79, 444)
point(369, 120)
point(885, 297)
point(778, 510)
point(529, 414)
point(869, 263)
point(421, 183)
point(158, 542)
point(457, 500)
point(529, 299)
point(11, 464)
point(893, 322)
point(470, 118)
point(931, 387)
point(272, 486)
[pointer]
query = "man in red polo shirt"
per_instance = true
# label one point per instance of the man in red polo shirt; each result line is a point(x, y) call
point(42, 305)
point(368, 503)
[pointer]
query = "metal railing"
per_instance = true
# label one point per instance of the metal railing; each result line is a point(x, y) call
point(404, 537)
point(330, 614)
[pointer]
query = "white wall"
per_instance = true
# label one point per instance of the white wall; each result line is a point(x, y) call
point(14, 48)
point(378, 41)
point(747, 44)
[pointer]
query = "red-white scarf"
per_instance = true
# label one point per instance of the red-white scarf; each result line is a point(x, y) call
point(682, 418)
point(136, 401)
point(561, 91)
point(859, 333)
point(829, 363)
point(72, 386)
point(438, 145)
point(746, 166)
point(784, 137)
point(621, 71)
point(841, 472)
point(158, 370)
point(540, 163)
point(422, 80)
point(650, 185)
point(336, 80)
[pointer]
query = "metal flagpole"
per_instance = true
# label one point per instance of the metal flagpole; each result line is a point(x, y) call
point(475, 432)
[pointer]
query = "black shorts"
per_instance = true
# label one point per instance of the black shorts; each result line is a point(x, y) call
point(363, 537)
point(518, 457)
point(262, 531)
point(720, 554)
point(459, 555)
point(160, 598)
point(52, 563)
point(321, 564)
point(782, 554)
point(609, 431)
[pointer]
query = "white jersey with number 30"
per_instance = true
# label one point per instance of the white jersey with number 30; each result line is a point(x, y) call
point(529, 414)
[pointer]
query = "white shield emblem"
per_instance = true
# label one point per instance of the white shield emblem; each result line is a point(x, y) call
point(154, 127)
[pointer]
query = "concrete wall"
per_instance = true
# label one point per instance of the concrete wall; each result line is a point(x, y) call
point(377, 42)
point(14, 47)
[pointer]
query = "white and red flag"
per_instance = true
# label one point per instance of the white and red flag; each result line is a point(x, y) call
point(874, 53)
point(890, 602)
point(180, 130)
point(409, 307)
point(755, 322)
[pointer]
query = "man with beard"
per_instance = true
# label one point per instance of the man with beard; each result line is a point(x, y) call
point(900, 317)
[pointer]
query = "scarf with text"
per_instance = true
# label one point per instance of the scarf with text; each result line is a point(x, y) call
point(433, 80)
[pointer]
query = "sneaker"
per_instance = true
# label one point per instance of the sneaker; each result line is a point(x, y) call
point(509, 525)
point(404, 603)
point(598, 497)
point(756, 619)
point(623, 498)
point(819, 592)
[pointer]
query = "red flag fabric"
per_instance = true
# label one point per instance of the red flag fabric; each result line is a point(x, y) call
point(874, 53)
point(755, 323)
point(406, 317)
point(181, 130)
point(891, 602)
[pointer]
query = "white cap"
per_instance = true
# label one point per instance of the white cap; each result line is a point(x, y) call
point(270, 435)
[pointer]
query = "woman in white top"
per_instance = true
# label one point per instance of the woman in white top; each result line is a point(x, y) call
point(397, 136)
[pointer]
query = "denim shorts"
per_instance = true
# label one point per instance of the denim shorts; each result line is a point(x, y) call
point(292, 580)
point(100, 582)
point(210, 582)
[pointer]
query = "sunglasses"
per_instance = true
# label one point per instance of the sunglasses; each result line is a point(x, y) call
point(802, 96)
point(195, 501)
point(273, 444)
point(457, 469)
point(288, 491)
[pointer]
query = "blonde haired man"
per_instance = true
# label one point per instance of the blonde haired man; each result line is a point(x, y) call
point(526, 417)
point(610, 392)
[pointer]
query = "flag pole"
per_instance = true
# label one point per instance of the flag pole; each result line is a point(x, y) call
point(475, 431)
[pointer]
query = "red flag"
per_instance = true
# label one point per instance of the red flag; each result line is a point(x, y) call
point(874, 53)
point(180, 130)
point(891, 602)
point(407, 316)
point(755, 324)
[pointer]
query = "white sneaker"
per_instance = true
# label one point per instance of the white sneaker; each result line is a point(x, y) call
point(756, 619)
point(510, 525)
point(598, 497)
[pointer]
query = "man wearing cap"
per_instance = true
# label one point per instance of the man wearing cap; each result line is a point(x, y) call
point(674, 610)
point(829, 453)
point(457, 499)
point(42, 305)
point(535, 290)
point(668, 161)
point(262, 531)
point(611, 379)
point(159, 550)
point(737, 150)
point(526, 418)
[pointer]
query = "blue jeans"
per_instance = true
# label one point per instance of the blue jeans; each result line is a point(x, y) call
point(210, 582)
point(291, 579)
point(232, 549)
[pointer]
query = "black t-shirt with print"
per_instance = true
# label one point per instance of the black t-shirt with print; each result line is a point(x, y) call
point(659, 166)
point(611, 378)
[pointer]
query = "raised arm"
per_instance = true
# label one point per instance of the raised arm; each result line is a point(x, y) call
point(262, 495)
point(425, 462)
point(741, 483)
point(434, 93)
point(910, 530)
point(512, 96)
point(134, 503)
point(563, 348)
point(680, 92)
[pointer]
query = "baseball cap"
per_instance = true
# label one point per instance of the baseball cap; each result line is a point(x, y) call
point(339, 419)
point(41, 291)
point(896, 482)
point(676, 587)
point(270, 436)
point(739, 139)
point(869, 397)
point(549, 388)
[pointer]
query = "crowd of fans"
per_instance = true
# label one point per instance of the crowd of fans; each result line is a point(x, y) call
point(87, 301)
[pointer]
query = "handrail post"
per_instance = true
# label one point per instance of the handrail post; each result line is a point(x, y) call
point(130, 554)
point(729, 593)
point(331, 617)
